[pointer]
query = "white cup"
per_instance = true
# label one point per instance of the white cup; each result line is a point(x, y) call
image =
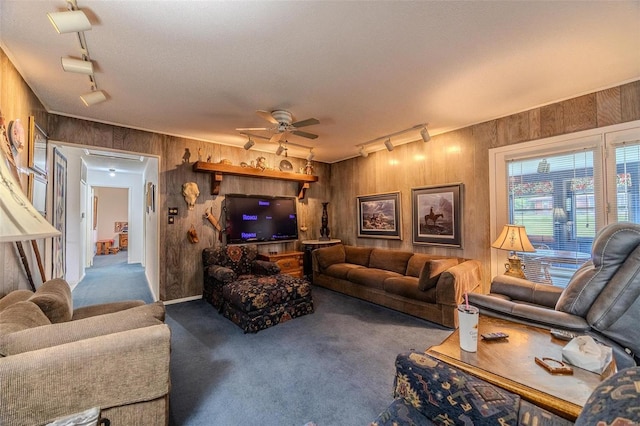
point(468, 320)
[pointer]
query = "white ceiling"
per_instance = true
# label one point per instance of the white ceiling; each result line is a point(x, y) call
point(200, 69)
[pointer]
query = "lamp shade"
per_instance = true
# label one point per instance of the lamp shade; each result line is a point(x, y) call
point(69, 21)
point(19, 220)
point(513, 238)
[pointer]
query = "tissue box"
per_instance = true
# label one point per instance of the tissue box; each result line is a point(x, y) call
point(586, 353)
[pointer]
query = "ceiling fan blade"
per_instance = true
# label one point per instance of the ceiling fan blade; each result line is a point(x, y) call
point(253, 128)
point(307, 122)
point(276, 137)
point(267, 116)
point(304, 134)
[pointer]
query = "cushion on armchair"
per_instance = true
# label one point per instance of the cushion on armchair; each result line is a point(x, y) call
point(13, 297)
point(54, 298)
point(21, 316)
point(264, 267)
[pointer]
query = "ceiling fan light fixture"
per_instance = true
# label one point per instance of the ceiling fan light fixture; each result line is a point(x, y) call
point(389, 145)
point(93, 97)
point(426, 137)
point(69, 21)
point(79, 66)
point(249, 144)
point(280, 149)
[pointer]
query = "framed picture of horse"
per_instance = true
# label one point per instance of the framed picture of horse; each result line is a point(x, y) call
point(437, 215)
point(379, 216)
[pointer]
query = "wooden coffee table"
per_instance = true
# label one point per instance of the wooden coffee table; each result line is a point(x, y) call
point(510, 364)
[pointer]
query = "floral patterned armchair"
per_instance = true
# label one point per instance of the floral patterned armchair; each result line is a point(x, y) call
point(224, 265)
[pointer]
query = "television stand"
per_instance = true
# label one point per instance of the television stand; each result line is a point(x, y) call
point(290, 262)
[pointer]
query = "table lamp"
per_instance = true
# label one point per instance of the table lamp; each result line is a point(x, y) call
point(513, 238)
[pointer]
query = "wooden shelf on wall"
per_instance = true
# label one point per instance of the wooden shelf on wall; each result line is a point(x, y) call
point(218, 171)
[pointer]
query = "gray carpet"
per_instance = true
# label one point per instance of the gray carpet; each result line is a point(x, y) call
point(333, 367)
point(112, 279)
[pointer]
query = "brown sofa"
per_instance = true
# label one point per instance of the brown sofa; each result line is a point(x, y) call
point(56, 361)
point(426, 286)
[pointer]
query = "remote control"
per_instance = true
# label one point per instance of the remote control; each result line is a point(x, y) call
point(494, 336)
point(563, 334)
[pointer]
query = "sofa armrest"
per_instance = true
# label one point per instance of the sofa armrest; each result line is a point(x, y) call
point(264, 267)
point(458, 280)
point(526, 291)
point(104, 308)
point(62, 333)
point(107, 371)
point(442, 393)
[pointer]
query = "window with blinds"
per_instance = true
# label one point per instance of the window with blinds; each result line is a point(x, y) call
point(563, 190)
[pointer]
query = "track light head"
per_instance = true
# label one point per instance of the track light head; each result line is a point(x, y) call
point(311, 155)
point(249, 144)
point(426, 137)
point(280, 149)
point(77, 65)
point(93, 97)
point(363, 153)
point(70, 21)
point(112, 172)
point(388, 144)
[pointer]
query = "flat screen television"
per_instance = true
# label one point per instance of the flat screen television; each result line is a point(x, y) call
point(260, 219)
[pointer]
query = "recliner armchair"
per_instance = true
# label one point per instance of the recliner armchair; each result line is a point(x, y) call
point(601, 298)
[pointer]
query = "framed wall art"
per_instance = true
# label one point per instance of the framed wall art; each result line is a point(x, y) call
point(379, 216)
point(37, 192)
point(37, 147)
point(59, 213)
point(437, 215)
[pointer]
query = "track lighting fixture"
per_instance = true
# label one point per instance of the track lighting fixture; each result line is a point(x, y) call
point(70, 21)
point(426, 137)
point(280, 149)
point(249, 144)
point(311, 155)
point(93, 97)
point(79, 66)
point(424, 133)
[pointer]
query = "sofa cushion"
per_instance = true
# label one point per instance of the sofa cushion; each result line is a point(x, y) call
point(357, 255)
point(15, 296)
point(341, 270)
point(408, 287)
point(370, 277)
point(391, 260)
point(416, 263)
point(21, 316)
point(431, 272)
point(328, 256)
point(54, 298)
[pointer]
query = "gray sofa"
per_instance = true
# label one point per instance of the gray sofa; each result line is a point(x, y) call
point(602, 298)
point(56, 361)
point(426, 286)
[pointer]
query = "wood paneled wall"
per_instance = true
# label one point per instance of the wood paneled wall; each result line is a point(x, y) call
point(462, 156)
point(17, 101)
point(180, 261)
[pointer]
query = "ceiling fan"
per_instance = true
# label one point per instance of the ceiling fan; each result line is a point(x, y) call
point(284, 125)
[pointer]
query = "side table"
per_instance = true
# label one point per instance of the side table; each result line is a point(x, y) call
point(311, 245)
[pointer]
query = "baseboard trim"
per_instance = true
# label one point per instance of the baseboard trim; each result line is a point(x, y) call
point(184, 299)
